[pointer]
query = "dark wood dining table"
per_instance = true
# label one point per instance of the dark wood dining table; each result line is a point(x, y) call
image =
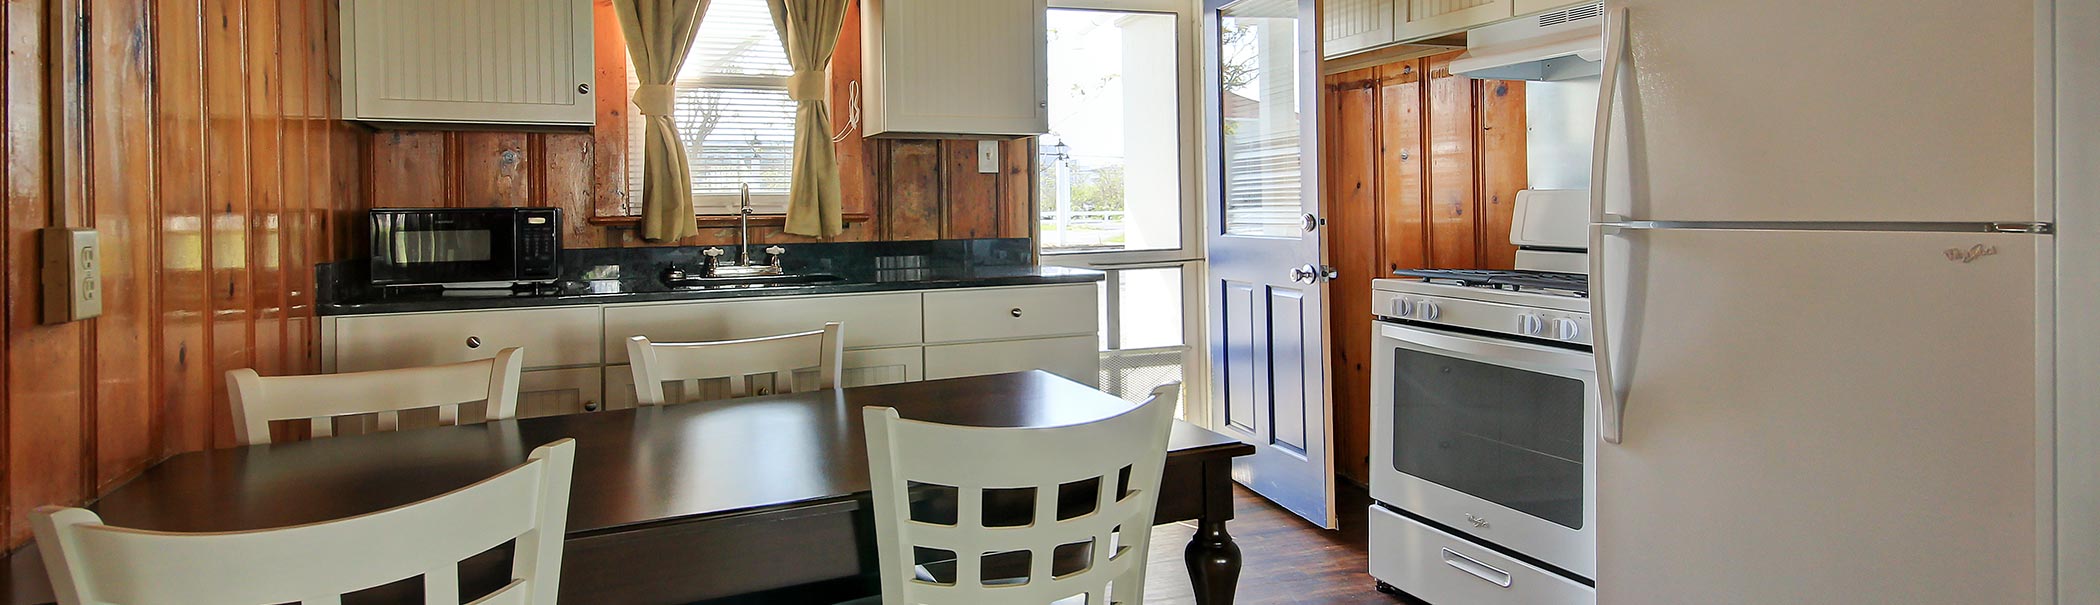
point(763, 499)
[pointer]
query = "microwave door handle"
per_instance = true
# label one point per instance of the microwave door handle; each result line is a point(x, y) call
point(1612, 403)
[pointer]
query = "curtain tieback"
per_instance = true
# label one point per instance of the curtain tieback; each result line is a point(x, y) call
point(808, 85)
point(656, 99)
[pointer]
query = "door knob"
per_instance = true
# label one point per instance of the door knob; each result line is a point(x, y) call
point(1311, 273)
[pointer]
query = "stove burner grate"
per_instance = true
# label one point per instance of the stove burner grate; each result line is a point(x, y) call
point(1515, 281)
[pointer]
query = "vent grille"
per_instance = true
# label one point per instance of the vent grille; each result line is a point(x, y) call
point(1579, 13)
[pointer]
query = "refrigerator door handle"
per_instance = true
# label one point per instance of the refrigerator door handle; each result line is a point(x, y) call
point(1612, 405)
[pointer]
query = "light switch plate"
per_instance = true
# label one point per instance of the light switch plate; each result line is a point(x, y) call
point(988, 157)
point(72, 274)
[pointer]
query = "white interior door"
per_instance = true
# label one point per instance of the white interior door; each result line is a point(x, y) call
point(1821, 417)
point(1266, 314)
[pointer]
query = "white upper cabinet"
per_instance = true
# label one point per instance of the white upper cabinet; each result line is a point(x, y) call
point(468, 61)
point(955, 67)
point(1432, 17)
point(1347, 26)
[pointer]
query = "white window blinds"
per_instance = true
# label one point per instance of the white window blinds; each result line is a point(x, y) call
point(732, 111)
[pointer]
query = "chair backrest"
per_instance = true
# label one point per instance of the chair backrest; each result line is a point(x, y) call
point(771, 360)
point(321, 398)
point(1092, 488)
point(94, 564)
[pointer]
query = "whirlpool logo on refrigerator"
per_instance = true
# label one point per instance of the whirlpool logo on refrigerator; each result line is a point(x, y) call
point(1966, 256)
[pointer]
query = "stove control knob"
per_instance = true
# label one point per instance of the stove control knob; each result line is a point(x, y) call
point(1530, 325)
point(1403, 307)
point(1429, 310)
point(1566, 329)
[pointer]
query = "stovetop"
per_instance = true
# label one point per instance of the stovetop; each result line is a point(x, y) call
point(1539, 282)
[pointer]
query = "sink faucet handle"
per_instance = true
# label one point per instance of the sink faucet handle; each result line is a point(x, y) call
point(776, 250)
point(714, 252)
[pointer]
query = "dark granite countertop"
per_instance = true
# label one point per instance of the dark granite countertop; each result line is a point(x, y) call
point(651, 290)
point(860, 267)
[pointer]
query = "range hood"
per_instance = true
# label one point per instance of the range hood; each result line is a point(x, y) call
point(1565, 44)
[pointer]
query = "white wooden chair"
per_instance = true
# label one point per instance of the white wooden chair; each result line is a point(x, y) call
point(321, 398)
point(773, 360)
point(1096, 549)
point(94, 564)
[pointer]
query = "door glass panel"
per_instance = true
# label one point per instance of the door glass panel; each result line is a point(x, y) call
point(1257, 60)
point(1508, 436)
point(1111, 164)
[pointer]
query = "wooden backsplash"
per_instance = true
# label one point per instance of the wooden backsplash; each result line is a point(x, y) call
point(894, 189)
point(1422, 170)
point(203, 149)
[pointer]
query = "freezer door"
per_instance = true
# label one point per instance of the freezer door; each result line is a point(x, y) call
point(1812, 110)
point(1820, 417)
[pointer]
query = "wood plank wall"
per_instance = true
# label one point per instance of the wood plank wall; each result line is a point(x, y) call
point(1422, 169)
point(894, 189)
point(202, 147)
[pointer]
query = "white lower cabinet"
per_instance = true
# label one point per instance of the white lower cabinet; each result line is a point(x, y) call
point(558, 392)
point(1074, 357)
point(576, 356)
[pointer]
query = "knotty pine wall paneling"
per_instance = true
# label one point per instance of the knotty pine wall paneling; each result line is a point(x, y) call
point(206, 154)
point(1422, 168)
point(893, 189)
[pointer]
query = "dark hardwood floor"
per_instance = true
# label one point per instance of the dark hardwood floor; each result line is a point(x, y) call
point(1286, 559)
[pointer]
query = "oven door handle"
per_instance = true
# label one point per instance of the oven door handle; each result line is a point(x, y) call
point(1505, 351)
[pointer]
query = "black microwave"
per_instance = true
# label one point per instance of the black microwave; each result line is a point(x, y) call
point(465, 245)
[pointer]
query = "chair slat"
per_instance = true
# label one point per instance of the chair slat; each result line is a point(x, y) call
point(441, 585)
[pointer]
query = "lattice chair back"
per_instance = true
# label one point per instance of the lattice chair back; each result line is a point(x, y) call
point(1088, 492)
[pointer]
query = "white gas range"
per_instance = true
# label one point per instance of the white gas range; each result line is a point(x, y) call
point(1483, 407)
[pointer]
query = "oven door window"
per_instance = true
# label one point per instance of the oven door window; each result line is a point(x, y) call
point(1509, 436)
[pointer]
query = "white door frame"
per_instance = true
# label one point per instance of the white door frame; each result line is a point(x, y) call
point(1195, 379)
point(2069, 66)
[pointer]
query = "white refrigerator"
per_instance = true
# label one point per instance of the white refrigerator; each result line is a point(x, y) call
point(1821, 275)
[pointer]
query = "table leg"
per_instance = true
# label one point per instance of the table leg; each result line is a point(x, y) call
point(1214, 562)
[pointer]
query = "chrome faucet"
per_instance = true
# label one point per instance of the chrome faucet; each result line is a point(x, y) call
point(743, 266)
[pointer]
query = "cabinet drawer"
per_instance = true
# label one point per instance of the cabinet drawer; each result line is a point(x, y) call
point(872, 320)
point(998, 313)
point(560, 392)
point(1441, 568)
point(551, 338)
point(1074, 357)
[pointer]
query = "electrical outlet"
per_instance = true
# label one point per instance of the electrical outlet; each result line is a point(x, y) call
point(72, 274)
point(988, 157)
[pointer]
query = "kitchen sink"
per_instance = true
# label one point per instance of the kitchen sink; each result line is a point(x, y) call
point(754, 281)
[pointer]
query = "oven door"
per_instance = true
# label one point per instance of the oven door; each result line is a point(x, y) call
point(1489, 437)
point(443, 246)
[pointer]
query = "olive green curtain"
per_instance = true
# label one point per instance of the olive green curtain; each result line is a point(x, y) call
point(659, 34)
point(810, 31)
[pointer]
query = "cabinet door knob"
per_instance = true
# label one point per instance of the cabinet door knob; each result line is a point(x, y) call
point(1016, 312)
point(583, 89)
point(473, 342)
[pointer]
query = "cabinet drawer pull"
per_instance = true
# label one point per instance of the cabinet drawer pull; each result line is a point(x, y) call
point(1016, 312)
point(473, 342)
